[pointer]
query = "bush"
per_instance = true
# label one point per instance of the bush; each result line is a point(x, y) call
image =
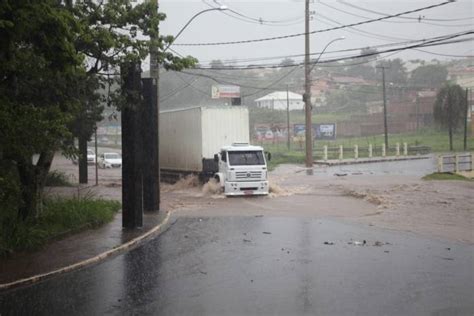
point(57, 179)
point(60, 217)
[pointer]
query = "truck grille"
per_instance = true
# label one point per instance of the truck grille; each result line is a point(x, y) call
point(242, 175)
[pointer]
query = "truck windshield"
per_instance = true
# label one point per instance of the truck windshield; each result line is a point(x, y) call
point(239, 158)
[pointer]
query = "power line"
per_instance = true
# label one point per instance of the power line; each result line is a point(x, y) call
point(418, 20)
point(433, 42)
point(235, 61)
point(406, 17)
point(316, 31)
point(245, 18)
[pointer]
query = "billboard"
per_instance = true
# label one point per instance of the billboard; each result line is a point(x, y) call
point(320, 131)
point(225, 91)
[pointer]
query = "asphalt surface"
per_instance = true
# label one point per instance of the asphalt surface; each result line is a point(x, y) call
point(262, 265)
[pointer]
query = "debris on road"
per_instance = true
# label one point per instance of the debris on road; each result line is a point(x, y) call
point(340, 174)
point(247, 240)
point(357, 243)
point(267, 233)
point(330, 243)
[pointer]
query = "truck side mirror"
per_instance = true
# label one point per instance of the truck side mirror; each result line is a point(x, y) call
point(216, 157)
point(269, 156)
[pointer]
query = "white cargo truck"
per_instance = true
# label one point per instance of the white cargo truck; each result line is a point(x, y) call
point(213, 142)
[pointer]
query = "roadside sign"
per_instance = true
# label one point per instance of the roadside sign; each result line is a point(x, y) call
point(320, 131)
point(225, 91)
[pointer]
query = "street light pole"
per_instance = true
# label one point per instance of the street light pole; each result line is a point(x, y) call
point(385, 128)
point(154, 198)
point(307, 94)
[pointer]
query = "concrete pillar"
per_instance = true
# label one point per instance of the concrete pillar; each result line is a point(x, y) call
point(341, 152)
point(356, 151)
point(397, 148)
point(405, 149)
point(325, 153)
point(370, 151)
point(384, 150)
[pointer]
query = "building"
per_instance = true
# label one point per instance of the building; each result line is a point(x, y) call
point(278, 101)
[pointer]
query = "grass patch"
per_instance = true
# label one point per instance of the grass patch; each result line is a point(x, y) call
point(60, 217)
point(57, 179)
point(445, 176)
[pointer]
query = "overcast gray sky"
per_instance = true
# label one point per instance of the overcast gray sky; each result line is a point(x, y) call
point(287, 17)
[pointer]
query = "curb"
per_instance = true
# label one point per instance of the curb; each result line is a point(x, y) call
point(87, 262)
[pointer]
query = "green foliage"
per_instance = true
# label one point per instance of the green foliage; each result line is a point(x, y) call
point(395, 71)
point(59, 218)
point(429, 76)
point(445, 176)
point(57, 179)
point(449, 107)
point(52, 63)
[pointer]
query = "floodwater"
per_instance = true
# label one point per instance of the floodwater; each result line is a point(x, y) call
point(259, 265)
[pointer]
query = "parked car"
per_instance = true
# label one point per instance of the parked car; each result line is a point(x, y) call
point(90, 157)
point(110, 160)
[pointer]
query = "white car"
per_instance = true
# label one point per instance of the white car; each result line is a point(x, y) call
point(110, 160)
point(90, 157)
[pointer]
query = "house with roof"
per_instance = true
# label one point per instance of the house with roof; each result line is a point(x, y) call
point(278, 101)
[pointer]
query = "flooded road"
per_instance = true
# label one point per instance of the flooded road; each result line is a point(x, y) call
point(263, 265)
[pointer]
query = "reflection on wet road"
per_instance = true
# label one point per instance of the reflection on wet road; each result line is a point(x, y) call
point(265, 265)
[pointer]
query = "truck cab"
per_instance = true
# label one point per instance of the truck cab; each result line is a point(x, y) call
point(242, 170)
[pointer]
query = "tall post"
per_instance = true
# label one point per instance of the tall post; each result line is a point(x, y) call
point(307, 95)
point(384, 107)
point(465, 119)
point(132, 147)
point(153, 200)
point(96, 157)
point(288, 117)
point(149, 126)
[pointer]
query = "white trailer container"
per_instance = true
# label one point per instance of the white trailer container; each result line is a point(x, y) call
point(189, 135)
point(213, 142)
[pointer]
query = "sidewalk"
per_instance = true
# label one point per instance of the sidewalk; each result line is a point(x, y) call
point(78, 250)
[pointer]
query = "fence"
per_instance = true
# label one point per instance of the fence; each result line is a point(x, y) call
point(455, 163)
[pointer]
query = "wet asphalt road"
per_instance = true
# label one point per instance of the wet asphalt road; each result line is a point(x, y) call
point(264, 266)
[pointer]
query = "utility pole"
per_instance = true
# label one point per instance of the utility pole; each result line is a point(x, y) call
point(384, 106)
point(96, 157)
point(307, 95)
point(288, 117)
point(154, 203)
point(465, 119)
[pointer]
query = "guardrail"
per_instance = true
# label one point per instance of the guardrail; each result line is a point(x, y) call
point(371, 151)
point(456, 162)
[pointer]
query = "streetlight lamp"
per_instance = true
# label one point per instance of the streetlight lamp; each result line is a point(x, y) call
point(221, 8)
point(152, 200)
point(307, 100)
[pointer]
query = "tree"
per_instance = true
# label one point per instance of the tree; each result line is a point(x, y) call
point(395, 71)
point(39, 71)
point(429, 76)
point(363, 67)
point(216, 63)
point(287, 62)
point(449, 109)
point(51, 64)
